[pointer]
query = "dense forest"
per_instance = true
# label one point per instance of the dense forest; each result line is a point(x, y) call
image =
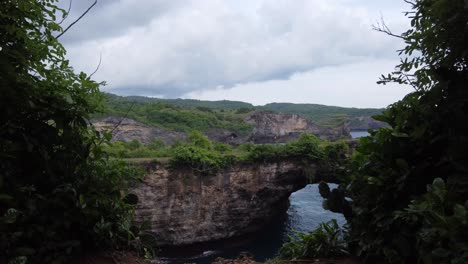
point(187, 114)
point(404, 191)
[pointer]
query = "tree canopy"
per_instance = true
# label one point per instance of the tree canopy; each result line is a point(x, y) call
point(58, 192)
point(409, 182)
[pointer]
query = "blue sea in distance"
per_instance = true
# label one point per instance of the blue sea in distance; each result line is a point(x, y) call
point(359, 133)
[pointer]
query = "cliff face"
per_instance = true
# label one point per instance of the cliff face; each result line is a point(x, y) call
point(282, 127)
point(184, 208)
point(365, 123)
point(128, 129)
point(268, 128)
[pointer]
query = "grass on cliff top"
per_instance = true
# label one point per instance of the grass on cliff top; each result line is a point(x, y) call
point(203, 155)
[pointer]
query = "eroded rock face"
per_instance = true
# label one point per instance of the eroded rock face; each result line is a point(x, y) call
point(184, 208)
point(365, 123)
point(226, 136)
point(127, 129)
point(268, 128)
point(283, 127)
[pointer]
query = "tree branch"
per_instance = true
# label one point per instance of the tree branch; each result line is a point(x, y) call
point(97, 68)
point(68, 12)
point(413, 4)
point(78, 19)
point(382, 27)
point(118, 124)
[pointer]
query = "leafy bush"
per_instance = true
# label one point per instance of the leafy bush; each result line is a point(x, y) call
point(222, 148)
point(199, 159)
point(197, 139)
point(264, 153)
point(59, 195)
point(395, 218)
point(306, 147)
point(135, 149)
point(441, 238)
point(156, 145)
point(325, 241)
point(199, 154)
point(334, 161)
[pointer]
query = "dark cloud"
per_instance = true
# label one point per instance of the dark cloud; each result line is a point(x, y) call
point(112, 18)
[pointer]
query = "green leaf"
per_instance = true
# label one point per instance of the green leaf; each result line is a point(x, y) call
point(399, 134)
point(460, 212)
point(441, 252)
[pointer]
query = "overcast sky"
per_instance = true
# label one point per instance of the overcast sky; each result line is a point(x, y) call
point(258, 51)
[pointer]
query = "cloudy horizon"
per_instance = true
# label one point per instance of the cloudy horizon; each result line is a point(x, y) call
point(257, 51)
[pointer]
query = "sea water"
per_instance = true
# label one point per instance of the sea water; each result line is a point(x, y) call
point(359, 133)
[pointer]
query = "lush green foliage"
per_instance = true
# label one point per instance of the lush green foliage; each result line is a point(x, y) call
point(203, 155)
point(187, 115)
point(409, 182)
point(325, 241)
point(442, 225)
point(190, 103)
point(135, 149)
point(199, 155)
point(179, 117)
point(307, 147)
point(58, 193)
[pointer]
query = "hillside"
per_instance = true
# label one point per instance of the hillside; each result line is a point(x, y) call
point(223, 104)
point(188, 114)
point(330, 116)
point(178, 114)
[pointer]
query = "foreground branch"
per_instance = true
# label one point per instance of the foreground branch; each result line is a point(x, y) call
point(78, 19)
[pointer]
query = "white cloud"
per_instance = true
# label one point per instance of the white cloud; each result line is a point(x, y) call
point(200, 44)
point(352, 85)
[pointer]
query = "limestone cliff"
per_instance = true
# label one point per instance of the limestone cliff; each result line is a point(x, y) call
point(126, 129)
point(268, 128)
point(183, 207)
point(365, 123)
point(272, 127)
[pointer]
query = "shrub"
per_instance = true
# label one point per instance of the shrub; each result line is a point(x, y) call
point(325, 241)
point(196, 138)
point(395, 217)
point(199, 159)
point(306, 147)
point(59, 195)
point(442, 225)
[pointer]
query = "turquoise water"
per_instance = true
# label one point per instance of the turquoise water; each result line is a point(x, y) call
point(359, 133)
point(304, 214)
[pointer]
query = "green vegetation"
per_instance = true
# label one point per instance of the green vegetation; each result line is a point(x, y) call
point(205, 156)
point(192, 103)
point(325, 241)
point(187, 115)
point(59, 194)
point(408, 182)
point(185, 118)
